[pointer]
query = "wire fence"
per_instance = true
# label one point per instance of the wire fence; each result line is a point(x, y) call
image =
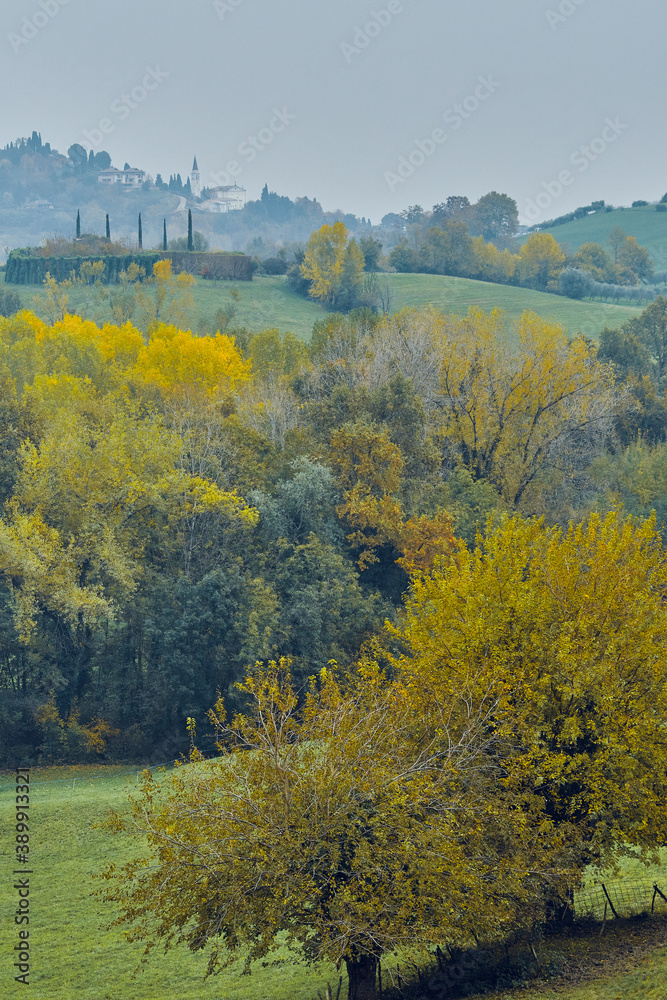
point(620, 898)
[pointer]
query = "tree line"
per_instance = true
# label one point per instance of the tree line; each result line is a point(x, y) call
point(360, 457)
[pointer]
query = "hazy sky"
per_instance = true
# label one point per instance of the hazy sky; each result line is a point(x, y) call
point(354, 102)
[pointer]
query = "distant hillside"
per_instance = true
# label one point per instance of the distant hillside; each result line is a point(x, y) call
point(41, 191)
point(647, 226)
point(456, 295)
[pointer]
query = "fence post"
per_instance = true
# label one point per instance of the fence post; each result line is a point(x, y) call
point(655, 889)
point(604, 920)
point(608, 897)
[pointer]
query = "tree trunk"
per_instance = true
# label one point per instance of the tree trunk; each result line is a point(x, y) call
point(560, 911)
point(362, 974)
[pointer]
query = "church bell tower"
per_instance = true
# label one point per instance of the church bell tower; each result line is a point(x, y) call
point(195, 180)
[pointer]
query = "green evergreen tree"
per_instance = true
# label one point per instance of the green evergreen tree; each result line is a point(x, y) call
point(78, 224)
point(108, 228)
point(190, 243)
point(141, 244)
point(164, 235)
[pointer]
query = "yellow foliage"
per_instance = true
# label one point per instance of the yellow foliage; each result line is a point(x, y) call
point(175, 358)
point(337, 823)
point(42, 570)
point(106, 470)
point(559, 641)
point(513, 411)
point(172, 360)
point(369, 471)
point(331, 262)
point(162, 270)
point(541, 261)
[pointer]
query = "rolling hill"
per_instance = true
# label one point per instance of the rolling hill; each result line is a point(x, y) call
point(647, 226)
point(269, 302)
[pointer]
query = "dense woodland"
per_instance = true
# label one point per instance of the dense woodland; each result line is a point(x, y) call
point(177, 507)
point(403, 586)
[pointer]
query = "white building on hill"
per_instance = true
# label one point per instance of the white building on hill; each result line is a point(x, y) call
point(229, 198)
point(128, 178)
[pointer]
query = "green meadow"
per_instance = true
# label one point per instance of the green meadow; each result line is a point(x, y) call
point(456, 295)
point(74, 956)
point(647, 226)
point(268, 302)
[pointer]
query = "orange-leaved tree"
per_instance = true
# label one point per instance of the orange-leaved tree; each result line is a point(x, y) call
point(369, 467)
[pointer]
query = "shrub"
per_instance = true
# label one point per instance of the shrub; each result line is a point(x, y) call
point(275, 265)
point(10, 303)
point(574, 283)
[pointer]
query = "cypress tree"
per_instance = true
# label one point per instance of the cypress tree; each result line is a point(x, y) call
point(190, 243)
point(140, 236)
point(78, 224)
point(108, 228)
point(164, 235)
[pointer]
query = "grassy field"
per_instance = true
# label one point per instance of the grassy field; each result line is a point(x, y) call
point(455, 295)
point(72, 957)
point(647, 226)
point(268, 302)
point(264, 302)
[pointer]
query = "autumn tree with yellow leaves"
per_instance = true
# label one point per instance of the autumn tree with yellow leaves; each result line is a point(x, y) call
point(516, 414)
point(342, 825)
point(559, 638)
point(334, 265)
point(540, 262)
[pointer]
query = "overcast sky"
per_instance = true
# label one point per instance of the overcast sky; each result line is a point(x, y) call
point(341, 100)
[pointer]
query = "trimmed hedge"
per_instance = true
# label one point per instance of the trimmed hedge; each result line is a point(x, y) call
point(24, 269)
point(219, 264)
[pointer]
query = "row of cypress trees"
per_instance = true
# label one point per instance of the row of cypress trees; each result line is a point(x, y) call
point(140, 231)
